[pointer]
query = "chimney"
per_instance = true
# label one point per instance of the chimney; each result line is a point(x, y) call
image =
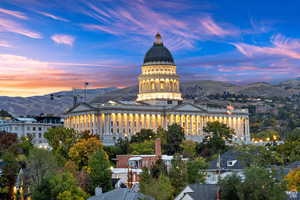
point(98, 191)
point(157, 147)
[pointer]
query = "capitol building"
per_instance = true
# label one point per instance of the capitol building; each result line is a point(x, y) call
point(159, 103)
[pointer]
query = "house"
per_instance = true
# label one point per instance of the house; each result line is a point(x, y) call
point(129, 167)
point(199, 192)
point(227, 164)
point(119, 194)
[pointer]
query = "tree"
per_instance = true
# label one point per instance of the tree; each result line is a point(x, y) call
point(59, 187)
point(83, 149)
point(7, 141)
point(195, 170)
point(258, 184)
point(293, 180)
point(61, 139)
point(9, 175)
point(289, 151)
point(231, 187)
point(267, 135)
point(160, 188)
point(174, 137)
point(158, 169)
point(144, 134)
point(260, 156)
point(189, 148)
point(99, 171)
point(145, 147)
point(178, 174)
point(40, 163)
point(293, 135)
point(218, 135)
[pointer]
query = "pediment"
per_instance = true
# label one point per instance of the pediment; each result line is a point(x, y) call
point(80, 108)
point(188, 107)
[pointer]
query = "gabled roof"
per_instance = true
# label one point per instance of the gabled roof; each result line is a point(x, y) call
point(121, 194)
point(188, 107)
point(80, 107)
point(226, 157)
point(203, 191)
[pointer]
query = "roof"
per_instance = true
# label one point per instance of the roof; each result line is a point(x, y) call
point(121, 194)
point(230, 155)
point(158, 54)
point(293, 165)
point(203, 191)
point(25, 119)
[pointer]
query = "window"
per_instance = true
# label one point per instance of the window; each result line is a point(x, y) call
point(33, 128)
point(117, 130)
point(40, 128)
point(117, 123)
point(40, 135)
point(231, 163)
point(111, 130)
point(28, 128)
point(169, 102)
point(111, 123)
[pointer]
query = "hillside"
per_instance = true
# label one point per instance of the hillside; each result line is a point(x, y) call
point(191, 90)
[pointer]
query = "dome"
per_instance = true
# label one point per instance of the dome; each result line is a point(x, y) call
point(158, 54)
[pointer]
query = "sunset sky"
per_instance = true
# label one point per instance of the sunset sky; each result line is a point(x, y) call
point(54, 45)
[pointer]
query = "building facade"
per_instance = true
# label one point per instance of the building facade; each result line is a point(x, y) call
point(29, 127)
point(159, 104)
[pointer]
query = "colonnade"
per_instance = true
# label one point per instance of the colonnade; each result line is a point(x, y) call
point(127, 124)
point(158, 85)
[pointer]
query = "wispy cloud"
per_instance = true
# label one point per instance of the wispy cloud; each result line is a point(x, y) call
point(5, 44)
point(14, 27)
point(281, 46)
point(138, 19)
point(16, 14)
point(213, 28)
point(53, 16)
point(63, 39)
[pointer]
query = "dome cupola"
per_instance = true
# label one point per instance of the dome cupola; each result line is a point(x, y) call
point(158, 54)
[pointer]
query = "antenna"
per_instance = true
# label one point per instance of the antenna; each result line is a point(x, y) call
point(85, 91)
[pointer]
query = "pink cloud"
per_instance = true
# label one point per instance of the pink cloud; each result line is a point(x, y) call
point(16, 14)
point(5, 44)
point(213, 28)
point(140, 19)
point(11, 26)
point(53, 16)
point(63, 39)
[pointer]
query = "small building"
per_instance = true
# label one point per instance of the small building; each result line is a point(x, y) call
point(129, 167)
point(29, 127)
point(199, 192)
point(119, 194)
point(227, 164)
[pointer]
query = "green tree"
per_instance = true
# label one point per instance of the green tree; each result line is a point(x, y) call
point(267, 135)
point(9, 175)
point(159, 168)
point(160, 188)
point(178, 174)
point(188, 148)
point(144, 134)
point(231, 187)
point(61, 140)
point(258, 184)
point(195, 170)
point(218, 134)
point(261, 184)
point(40, 163)
point(145, 147)
point(174, 137)
point(99, 171)
point(59, 187)
point(261, 156)
point(289, 151)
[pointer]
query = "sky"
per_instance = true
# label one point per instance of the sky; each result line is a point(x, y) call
point(54, 45)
